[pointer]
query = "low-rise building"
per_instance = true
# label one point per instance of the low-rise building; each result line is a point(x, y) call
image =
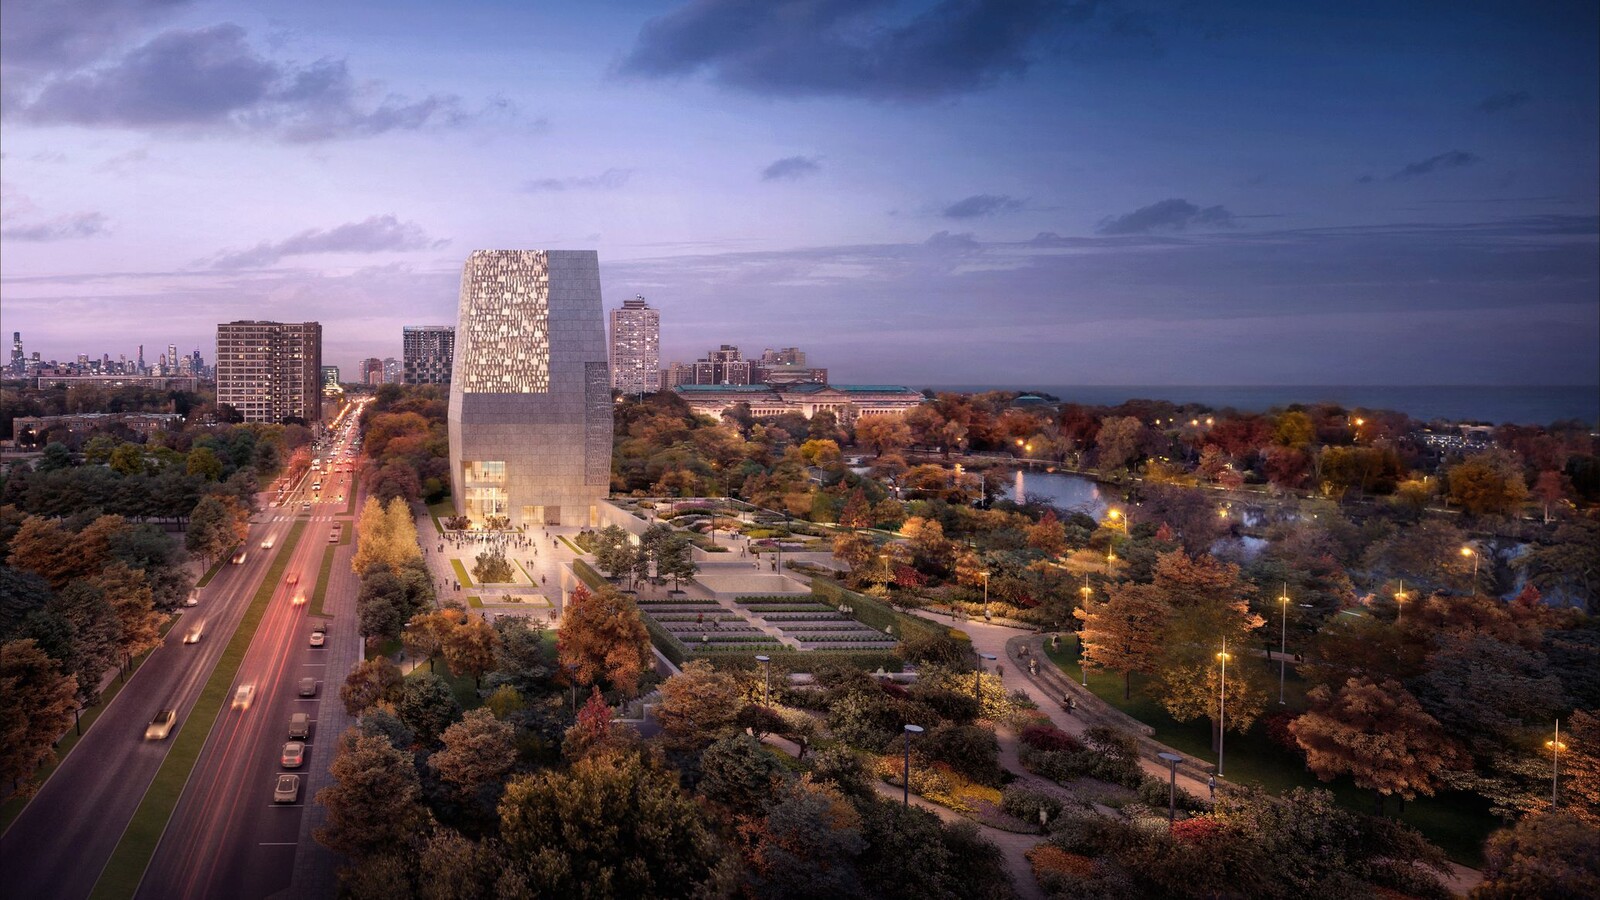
point(26, 429)
point(846, 401)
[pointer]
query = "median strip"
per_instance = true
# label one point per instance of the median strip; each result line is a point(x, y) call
point(324, 575)
point(125, 869)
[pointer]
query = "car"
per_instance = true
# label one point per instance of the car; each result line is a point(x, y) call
point(193, 599)
point(308, 687)
point(287, 790)
point(294, 755)
point(161, 725)
point(299, 726)
point(318, 638)
point(193, 635)
point(333, 536)
point(240, 557)
point(292, 579)
point(305, 507)
point(299, 599)
point(242, 696)
point(267, 544)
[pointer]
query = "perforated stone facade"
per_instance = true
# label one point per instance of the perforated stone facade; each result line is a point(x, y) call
point(530, 402)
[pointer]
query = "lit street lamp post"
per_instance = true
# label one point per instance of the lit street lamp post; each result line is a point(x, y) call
point(1399, 602)
point(1468, 551)
point(985, 574)
point(1083, 661)
point(1172, 760)
point(905, 797)
point(1222, 706)
point(766, 692)
point(1283, 642)
point(1555, 764)
point(977, 680)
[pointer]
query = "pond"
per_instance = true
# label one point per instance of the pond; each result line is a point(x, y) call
point(1059, 489)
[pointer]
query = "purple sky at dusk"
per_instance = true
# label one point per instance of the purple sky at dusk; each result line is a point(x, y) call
point(966, 191)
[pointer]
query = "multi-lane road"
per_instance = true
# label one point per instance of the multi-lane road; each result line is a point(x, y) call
point(226, 838)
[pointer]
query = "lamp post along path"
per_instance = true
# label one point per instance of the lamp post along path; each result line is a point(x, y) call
point(1172, 760)
point(1283, 642)
point(905, 797)
point(1222, 706)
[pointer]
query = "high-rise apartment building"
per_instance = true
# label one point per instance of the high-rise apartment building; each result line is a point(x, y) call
point(330, 378)
point(391, 370)
point(635, 347)
point(371, 371)
point(270, 371)
point(784, 367)
point(427, 353)
point(530, 397)
point(17, 365)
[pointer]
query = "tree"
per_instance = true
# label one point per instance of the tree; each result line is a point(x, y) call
point(1210, 609)
point(1377, 733)
point(492, 567)
point(203, 462)
point(1551, 488)
point(1293, 429)
point(427, 706)
point(373, 804)
point(1488, 484)
point(127, 459)
point(1120, 442)
point(1550, 855)
point(739, 773)
point(371, 681)
point(1123, 634)
point(478, 751)
point(698, 704)
point(1581, 762)
point(381, 605)
point(806, 845)
point(36, 704)
point(604, 638)
point(217, 525)
point(470, 649)
point(883, 433)
point(140, 624)
point(857, 512)
point(675, 560)
point(608, 827)
point(1048, 535)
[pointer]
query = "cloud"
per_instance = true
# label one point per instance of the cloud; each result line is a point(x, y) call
point(980, 205)
point(69, 33)
point(791, 167)
point(944, 240)
point(1454, 159)
point(1168, 215)
point(1503, 102)
point(840, 48)
point(61, 228)
point(211, 80)
point(610, 179)
point(375, 234)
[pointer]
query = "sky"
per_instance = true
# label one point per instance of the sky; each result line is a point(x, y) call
point(948, 192)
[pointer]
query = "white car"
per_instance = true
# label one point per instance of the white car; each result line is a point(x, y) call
point(287, 790)
point(318, 638)
point(193, 599)
point(243, 696)
point(193, 635)
point(294, 755)
point(266, 544)
point(161, 725)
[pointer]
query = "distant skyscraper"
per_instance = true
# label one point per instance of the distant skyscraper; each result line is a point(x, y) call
point(172, 360)
point(635, 347)
point(17, 365)
point(270, 371)
point(427, 352)
point(372, 370)
point(391, 370)
point(530, 398)
point(330, 377)
point(785, 366)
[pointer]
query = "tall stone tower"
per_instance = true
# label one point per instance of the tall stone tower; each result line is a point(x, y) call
point(530, 400)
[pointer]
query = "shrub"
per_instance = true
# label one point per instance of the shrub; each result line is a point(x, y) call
point(1197, 831)
point(1154, 792)
point(1049, 737)
point(1024, 802)
point(968, 749)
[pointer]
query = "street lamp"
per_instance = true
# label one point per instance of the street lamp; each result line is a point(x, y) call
point(985, 574)
point(905, 796)
point(977, 680)
point(1083, 655)
point(1555, 747)
point(766, 693)
point(1172, 760)
point(1283, 641)
point(1222, 705)
point(1468, 551)
point(1399, 601)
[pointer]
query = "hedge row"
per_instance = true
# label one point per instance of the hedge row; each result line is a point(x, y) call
point(874, 612)
point(786, 661)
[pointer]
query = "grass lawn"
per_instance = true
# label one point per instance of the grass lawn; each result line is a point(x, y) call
point(475, 602)
point(212, 573)
point(324, 574)
point(132, 856)
point(575, 548)
point(14, 805)
point(461, 573)
point(444, 508)
point(462, 686)
point(1457, 822)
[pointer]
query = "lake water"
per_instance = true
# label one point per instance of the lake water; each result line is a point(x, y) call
point(1497, 404)
point(1070, 492)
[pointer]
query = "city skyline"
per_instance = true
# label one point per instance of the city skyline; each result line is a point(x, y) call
point(962, 192)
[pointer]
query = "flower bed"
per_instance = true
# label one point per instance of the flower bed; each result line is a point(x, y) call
point(791, 607)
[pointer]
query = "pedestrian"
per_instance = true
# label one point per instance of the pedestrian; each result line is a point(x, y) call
point(1211, 784)
point(1000, 672)
point(699, 618)
point(1072, 705)
point(1033, 667)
